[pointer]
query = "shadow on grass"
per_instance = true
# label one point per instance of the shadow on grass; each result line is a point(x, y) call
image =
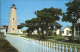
point(74, 41)
point(6, 47)
point(58, 38)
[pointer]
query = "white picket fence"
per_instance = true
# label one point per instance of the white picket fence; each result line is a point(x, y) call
point(29, 45)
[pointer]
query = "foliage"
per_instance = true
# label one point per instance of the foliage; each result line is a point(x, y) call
point(50, 33)
point(73, 11)
point(21, 25)
point(2, 37)
point(25, 31)
point(32, 25)
point(55, 34)
point(48, 17)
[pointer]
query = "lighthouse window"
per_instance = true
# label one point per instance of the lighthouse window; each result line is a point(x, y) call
point(13, 18)
point(13, 28)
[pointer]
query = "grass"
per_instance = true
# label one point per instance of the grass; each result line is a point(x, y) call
point(6, 47)
point(55, 39)
point(15, 34)
point(58, 38)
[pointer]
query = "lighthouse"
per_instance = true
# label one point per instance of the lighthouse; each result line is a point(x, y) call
point(12, 26)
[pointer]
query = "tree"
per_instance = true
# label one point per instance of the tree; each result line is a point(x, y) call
point(32, 25)
point(48, 16)
point(29, 24)
point(73, 13)
point(21, 25)
point(38, 25)
point(57, 25)
point(2, 37)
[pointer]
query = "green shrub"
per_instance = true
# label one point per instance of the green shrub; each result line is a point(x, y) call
point(55, 34)
point(50, 33)
point(2, 35)
point(24, 31)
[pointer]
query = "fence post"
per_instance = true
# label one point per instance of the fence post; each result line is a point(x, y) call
point(54, 48)
point(34, 46)
point(75, 50)
point(45, 46)
point(49, 46)
point(70, 49)
point(40, 47)
point(79, 50)
point(66, 48)
point(62, 48)
point(59, 48)
point(28, 46)
point(37, 47)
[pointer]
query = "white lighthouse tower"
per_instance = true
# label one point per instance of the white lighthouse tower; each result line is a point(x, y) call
point(12, 26)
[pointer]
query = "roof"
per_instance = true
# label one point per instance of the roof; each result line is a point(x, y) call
point(1, 27)
point(13, 5)
point(55, 29)
point(66, 27)
point(19, 29)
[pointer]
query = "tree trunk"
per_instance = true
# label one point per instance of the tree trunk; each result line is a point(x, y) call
point(51, 28)
point(28, 33)
point(39, 34)
point(42, 32)
point(47, 33)
point(72, 29)
point(72, 38)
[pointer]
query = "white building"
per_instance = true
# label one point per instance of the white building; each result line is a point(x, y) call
point(34, 32)
point(3, 29)
point(12, 26)
point(66, 31)
point(77, 29)
point(57, 31)
point(19, 31)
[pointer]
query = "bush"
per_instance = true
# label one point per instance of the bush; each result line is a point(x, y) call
point(50, 33)
point(24, 31)
point(74, 40)
point(55, 34)
point(2, 35)
point(71, 38)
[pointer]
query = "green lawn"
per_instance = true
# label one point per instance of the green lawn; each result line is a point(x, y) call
point(58, 38)
point(16, 34)
point(55, 39)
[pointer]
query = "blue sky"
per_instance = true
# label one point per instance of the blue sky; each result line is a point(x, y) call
point(26, 9)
